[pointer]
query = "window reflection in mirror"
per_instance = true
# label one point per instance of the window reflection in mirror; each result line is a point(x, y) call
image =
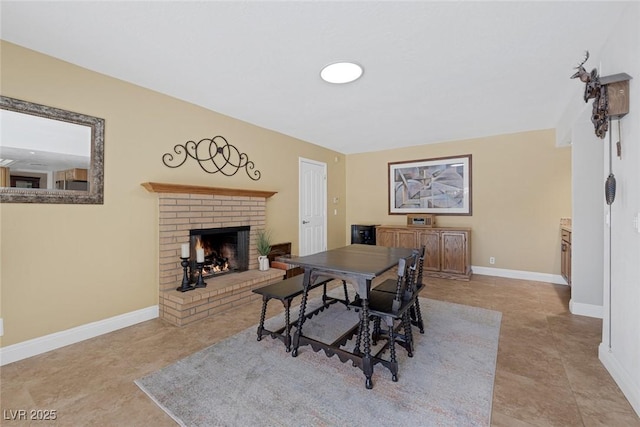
point(49, 155)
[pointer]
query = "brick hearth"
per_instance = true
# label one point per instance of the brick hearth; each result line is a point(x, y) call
point(222, 293)
point(182, 208)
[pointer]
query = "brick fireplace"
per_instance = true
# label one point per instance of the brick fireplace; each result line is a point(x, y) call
point(183, 208)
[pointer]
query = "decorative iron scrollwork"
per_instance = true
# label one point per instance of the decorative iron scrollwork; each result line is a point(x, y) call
point(216, 156)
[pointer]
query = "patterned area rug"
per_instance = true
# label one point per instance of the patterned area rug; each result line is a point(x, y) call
point(245, 382)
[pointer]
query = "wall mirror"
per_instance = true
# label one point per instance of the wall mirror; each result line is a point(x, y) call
point(49, 155)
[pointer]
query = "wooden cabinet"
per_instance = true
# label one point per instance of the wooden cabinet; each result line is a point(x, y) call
point(396, 238)
point(430, 239)
point(5, 177)
point(407, 239)
point(448, 250)
point(565, 254)
point(386, 237)
point(72, 179)
point(455, 252)
point(76, 174)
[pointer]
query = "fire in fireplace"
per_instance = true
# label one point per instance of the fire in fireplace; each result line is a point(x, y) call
point(226, 250)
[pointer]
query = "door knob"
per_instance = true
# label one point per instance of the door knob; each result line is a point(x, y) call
point(305, 222)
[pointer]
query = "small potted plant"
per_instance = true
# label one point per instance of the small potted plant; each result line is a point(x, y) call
point(263, 244)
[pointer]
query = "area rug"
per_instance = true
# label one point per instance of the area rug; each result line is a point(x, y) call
point(245, 382)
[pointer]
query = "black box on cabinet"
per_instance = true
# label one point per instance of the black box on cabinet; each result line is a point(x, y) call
point(363, 234)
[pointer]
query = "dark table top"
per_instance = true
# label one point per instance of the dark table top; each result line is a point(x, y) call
point(367, 261)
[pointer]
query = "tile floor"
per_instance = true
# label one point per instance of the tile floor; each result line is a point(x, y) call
point(548, 372)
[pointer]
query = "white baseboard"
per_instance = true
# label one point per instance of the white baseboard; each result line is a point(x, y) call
point(589, 310)
point(575, 308)
point(519, 274)
point(630, 390)
point(40, 345)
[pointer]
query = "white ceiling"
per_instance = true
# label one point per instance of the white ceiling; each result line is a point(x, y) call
point(36, 144)
point(434, 71)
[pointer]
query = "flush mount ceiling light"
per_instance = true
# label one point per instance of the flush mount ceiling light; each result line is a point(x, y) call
point(341, 72)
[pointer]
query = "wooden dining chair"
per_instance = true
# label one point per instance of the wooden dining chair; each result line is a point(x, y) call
point(393, 309)
point(389, 286)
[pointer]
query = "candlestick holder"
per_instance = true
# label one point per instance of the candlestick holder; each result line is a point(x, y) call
point(200, 283)
point(186, 286)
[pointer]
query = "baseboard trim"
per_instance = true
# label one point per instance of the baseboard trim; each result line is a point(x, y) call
point(625, 381)
point(40, 345)
point(519, 274)
point(588, 310)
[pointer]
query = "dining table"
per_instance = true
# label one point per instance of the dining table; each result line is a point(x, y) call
point(358, 265)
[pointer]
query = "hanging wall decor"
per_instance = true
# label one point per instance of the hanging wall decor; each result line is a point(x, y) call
point(610, 183)
point(439, 186)
point(610, 96)
point(596, 91)
point(213, 155)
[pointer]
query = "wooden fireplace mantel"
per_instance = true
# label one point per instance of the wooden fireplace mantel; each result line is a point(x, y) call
point(157, 187)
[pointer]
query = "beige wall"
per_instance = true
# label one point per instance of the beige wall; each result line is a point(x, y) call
point(67, 265)
point(521, 188)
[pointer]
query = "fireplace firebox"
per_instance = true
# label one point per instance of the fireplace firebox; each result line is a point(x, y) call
point(226, 250)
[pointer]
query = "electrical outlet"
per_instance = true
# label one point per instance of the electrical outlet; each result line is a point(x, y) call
point(492, 260)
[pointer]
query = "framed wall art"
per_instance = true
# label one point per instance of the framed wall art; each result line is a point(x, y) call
point(440, 186)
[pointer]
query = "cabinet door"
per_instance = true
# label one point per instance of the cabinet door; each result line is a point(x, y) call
point(385, 237)
point(569, 264)
point(453, 245)
point(564, 247)
point(407, 239)
point(565, 265)
point(80, 174)
point(431, 241)
point(565, 256)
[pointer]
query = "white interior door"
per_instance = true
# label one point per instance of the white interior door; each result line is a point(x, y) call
point(313, 207)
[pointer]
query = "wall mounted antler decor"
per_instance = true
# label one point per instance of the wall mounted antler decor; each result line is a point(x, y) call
point(213, 155)
point(610, 101)
point(610, 96)
point(596, 91)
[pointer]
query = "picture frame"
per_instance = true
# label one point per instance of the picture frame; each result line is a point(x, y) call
point(440, 186)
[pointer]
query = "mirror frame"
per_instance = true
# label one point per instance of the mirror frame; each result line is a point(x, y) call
point(95, 195)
